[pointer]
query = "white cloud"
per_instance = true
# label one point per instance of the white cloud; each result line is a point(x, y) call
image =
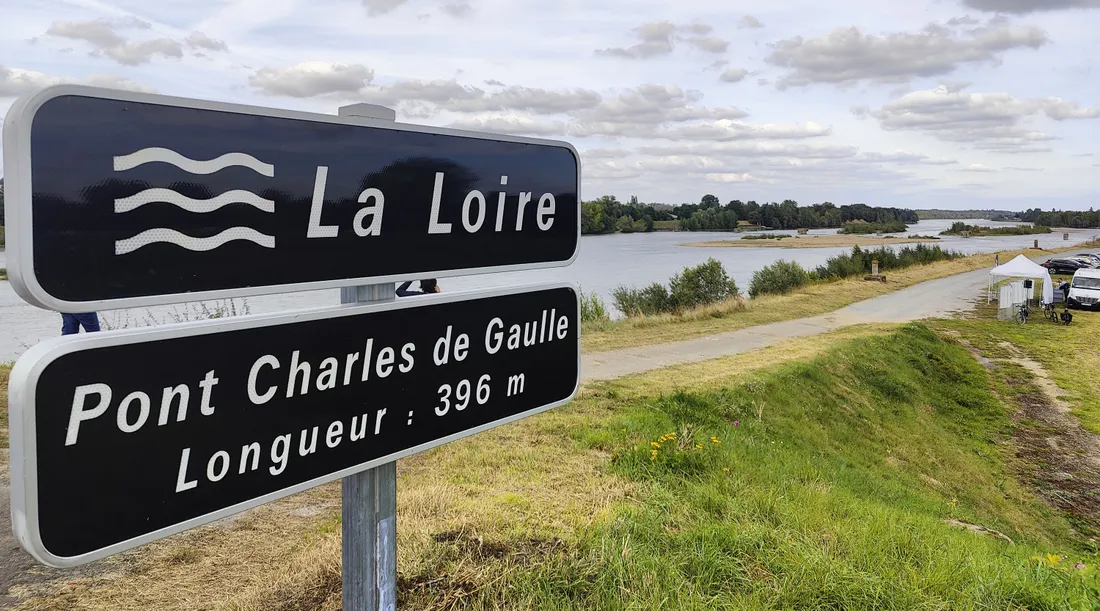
point(1029, 6)
point(734, 75)
point(310, 79)
point(991, 121)
point(748, 21)
point(15, 82)
point(658, 38)
point(458, 9)
point(106, 39)
point(848, 56)
point(381, 7)
point(680, 99)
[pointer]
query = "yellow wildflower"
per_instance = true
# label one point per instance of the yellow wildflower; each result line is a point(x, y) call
point(653, 455)
point(714, 440)
point(655, 444)
point(698, 446)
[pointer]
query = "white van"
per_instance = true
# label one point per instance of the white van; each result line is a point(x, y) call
point(1084, 289)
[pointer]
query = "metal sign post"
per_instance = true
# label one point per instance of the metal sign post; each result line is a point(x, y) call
point(368, 500)
point(154, 431)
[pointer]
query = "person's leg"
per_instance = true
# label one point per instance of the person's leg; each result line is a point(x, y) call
point(90, 321)
point(69, 324)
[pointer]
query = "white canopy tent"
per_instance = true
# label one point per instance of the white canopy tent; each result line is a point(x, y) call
point(1022, 267)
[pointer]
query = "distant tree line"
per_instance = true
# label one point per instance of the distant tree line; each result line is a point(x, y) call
point(608, 215)
point(710, 215)
point(1084, 219)
point(936, 213)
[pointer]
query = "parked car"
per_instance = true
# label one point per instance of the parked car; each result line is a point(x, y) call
point(1095, 258)
point(1065, 266)
point(1088, 261)
point(1084, 289)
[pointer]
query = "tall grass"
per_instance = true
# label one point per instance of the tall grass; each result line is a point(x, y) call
point(784, 276)
point(593, 309)
point(222, 308)
point(858, 262)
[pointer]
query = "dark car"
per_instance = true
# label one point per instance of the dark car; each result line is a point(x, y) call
point(1065, 266)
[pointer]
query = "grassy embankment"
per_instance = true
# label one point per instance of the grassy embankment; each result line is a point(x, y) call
point(820, 473)
point(811, 300)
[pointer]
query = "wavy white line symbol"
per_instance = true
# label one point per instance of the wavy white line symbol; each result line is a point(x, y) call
point(154, 154)
point(235, 196)
point(171, 236)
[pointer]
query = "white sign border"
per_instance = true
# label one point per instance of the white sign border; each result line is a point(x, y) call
point(29, 367)
point(19, 209)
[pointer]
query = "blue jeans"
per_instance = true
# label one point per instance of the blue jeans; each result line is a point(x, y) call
point(71, 323)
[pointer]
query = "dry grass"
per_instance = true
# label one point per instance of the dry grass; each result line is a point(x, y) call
point(811, 300)
point(201, 569)
point(492, 487)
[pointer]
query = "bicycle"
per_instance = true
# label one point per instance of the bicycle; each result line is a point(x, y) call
point(1052, 313)
point(1022, 314)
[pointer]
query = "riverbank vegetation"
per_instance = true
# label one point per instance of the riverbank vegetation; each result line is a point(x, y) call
point(784, 276)
point(982, 231)
point(1080, 219)
point(863, 227)
point(694, 287)
point(766, 236)
point(811, 299)
point(868, 468)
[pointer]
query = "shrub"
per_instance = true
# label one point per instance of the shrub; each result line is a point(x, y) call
point(593, 308)
point(858, 262)
point(693, 287)
point(653, 299)
point(701, 285)
point(777, 278)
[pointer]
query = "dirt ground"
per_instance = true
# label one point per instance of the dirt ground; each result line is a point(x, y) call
point(809, 241)
point(1057, 456)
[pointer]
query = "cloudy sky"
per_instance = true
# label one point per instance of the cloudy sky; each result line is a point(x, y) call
point(927, 103)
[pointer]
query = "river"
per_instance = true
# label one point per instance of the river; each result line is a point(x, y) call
point(604, 262)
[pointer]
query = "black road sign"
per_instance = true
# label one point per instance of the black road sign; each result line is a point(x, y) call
point(119, 199)
point(122, 437)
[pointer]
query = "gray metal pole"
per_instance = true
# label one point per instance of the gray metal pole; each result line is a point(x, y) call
point(369, 498)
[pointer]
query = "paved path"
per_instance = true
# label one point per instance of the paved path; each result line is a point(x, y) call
point(925, 300)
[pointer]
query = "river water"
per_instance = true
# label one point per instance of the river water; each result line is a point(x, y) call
point(604, 262)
